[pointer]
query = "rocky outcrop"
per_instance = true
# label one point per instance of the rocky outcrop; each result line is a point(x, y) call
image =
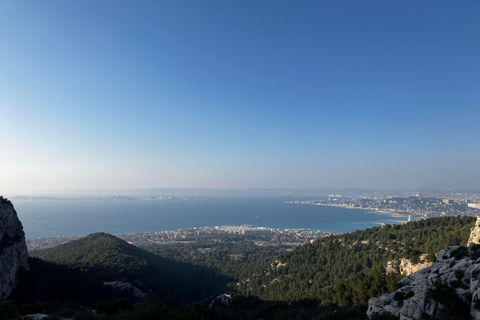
point(122, 287)
point(13, 250)
point(475, 234)
point(456, 272)
point(37, 316)
point(223, 299)
point(406, 267)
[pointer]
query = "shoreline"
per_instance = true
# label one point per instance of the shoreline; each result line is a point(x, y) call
point(119, 218)
point(395, 214)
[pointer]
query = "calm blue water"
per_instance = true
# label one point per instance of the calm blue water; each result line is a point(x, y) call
point(79, 218)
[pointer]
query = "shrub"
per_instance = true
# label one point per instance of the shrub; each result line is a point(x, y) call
point(475, 274)
point(475, 249)
point(447, 296)
point(476, 304)
point(399, 296)
point(8, 310)
point(385, 315)
point(459, 274)
point(409, 295)
point(84, 314)
point(460, 253)
point(455, 283)
point(430, 257)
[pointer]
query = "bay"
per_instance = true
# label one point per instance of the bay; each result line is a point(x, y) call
point(51, 218)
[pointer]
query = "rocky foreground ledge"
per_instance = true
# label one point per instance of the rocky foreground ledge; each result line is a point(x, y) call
point(13, 250)
point(452, 281)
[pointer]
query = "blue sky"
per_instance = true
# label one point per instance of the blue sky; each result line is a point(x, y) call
point(237, 94)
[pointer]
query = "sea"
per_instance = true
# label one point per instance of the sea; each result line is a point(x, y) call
point(53, 218)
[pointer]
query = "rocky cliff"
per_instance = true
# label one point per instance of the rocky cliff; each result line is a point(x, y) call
point(406, 267)
point(13, 250)
point(475, 234)
point(452, 284)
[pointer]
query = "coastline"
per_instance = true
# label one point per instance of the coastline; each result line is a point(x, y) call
point(372, 210)
point(80, 218)
point(393, 214)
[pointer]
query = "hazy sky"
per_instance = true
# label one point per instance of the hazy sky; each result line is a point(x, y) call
point(235, 94)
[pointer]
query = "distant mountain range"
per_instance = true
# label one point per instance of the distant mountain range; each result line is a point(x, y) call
point(106, 198)
point(210, 192)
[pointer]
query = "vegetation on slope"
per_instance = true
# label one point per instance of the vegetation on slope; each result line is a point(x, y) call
point(107, 258)
point(218, 256)
point(349, 268)
point(333, 278)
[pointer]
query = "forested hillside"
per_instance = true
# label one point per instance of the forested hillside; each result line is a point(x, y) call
point(108, 258)
point(330, 279)
point(217, 256)
point(349, 268)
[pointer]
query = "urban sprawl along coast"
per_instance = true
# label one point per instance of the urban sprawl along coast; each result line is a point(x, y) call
point(286, 239)
point(424, 207)
point(261, 236)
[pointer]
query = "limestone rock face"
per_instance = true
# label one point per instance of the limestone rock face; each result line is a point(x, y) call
point(475, 234)
point(13, 250)
point(406, 267)
point(458, 267)
point(223, 299)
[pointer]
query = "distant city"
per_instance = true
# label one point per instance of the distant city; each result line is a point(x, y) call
point(429, 204)
point(266, 237)
point(421, 206)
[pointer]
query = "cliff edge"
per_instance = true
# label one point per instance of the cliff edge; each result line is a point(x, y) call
point(475, 234)
point(406, 267)
point(13, 249)
point(450, 286)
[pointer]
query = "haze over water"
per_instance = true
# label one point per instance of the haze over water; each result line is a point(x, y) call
point(82, 217)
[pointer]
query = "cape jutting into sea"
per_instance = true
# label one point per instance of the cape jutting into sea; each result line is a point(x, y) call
point(51, 218)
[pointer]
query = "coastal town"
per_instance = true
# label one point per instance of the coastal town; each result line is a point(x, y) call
point(260, 236)
point(286, 239)
point(423, 207)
